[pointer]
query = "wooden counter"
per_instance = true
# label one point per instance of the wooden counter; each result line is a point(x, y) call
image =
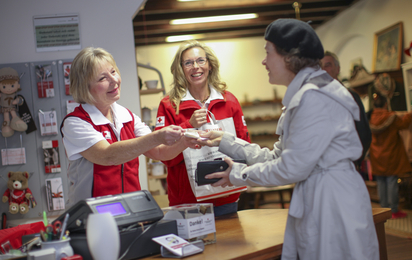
point(258, 234)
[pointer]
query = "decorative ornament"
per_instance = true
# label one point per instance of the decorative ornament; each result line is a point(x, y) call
point(9, 86)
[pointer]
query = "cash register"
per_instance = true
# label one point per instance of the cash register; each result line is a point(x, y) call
point(138, 217)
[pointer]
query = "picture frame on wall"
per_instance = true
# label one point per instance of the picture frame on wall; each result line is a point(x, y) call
point(387, 49)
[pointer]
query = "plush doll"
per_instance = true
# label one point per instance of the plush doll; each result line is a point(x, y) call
point(9, 85)
point(18, 193)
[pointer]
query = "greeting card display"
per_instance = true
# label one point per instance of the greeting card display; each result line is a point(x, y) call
point(44, 81)
point(71, 105)
point(13, 156)
point(66, 72)
point(51, 156)
point(48, 122)
point(54, 194)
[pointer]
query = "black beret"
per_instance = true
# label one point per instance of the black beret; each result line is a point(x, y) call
point(292, 33)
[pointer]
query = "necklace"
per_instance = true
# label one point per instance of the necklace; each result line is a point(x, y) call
point(204, 100)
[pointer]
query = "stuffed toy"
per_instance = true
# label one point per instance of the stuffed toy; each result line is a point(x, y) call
point(9, 85)
point(18, 193)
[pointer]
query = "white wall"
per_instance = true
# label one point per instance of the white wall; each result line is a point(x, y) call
point(103, 23)
point(351, 34)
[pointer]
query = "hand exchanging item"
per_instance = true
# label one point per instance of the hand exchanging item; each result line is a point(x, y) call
point(211, 138)
point(195, 135)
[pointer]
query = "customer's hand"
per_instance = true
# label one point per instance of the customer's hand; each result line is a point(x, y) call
point(213, 138)
point(198, 118)
point(225, 181)
point(171, 134)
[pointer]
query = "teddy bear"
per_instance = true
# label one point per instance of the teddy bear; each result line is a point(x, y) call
point(18, 193)
point(9, 85)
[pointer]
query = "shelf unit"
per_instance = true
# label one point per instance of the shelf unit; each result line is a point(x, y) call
point(261, 117)
point(152, 91)
point(157, 184)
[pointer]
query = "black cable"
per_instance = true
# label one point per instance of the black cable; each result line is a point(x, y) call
point(128, 248)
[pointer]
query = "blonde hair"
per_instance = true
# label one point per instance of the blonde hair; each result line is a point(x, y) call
point(180, 83)
point(84, 68)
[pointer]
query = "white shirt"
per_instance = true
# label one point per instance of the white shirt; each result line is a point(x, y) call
point(80, 135)
point(214, 94)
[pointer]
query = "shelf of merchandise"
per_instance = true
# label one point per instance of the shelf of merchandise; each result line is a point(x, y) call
point(261, 117)
point(158, 177)
point(152, 91)
point(155, 182)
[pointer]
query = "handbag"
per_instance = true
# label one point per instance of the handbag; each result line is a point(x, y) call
point(193, 156)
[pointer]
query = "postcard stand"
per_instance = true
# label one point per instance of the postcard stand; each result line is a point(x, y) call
point(197, 243)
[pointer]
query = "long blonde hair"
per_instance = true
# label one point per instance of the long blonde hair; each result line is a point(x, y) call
point(180, 84)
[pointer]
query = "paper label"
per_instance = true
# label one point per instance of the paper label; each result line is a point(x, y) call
point(175, 245)
point(13, 156)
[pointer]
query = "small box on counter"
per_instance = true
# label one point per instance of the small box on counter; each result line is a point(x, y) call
point(194, 221)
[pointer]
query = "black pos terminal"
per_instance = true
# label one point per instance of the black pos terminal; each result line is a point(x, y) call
point(138, 217)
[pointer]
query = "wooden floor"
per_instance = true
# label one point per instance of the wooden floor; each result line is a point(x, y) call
point(399, 248)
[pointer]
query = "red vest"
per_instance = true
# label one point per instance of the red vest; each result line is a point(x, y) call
point(113, 179)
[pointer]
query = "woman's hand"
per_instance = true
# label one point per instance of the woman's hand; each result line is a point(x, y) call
point(169, 135)
point(225, 181)
point(213, 138)
point(198, 118)
point(191, 142)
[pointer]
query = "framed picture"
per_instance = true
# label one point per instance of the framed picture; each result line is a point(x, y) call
point(387, 49)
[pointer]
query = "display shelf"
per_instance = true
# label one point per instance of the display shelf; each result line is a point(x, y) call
point(158, 177)
point(156, 183)
point(151, 91)
point(260, 102)
point(259, 119)
point(148, 91)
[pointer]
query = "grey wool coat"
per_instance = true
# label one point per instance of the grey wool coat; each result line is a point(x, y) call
point(330, 215)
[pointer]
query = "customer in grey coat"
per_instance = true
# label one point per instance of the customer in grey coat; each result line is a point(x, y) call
point(330, 215)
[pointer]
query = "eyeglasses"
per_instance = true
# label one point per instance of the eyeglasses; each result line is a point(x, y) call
point(201, 61)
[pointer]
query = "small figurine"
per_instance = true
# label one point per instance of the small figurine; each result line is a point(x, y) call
point(18, 193)
point(9, 85)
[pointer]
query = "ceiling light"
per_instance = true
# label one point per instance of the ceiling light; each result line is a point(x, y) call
point(181, 38)
point(210, 19)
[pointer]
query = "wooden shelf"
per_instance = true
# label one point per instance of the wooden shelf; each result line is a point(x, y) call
point(262, 119)
point(159, 177)
point(151, 91)
point(261, 102)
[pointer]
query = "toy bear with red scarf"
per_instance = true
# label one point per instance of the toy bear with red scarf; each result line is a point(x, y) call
point(18, 193)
